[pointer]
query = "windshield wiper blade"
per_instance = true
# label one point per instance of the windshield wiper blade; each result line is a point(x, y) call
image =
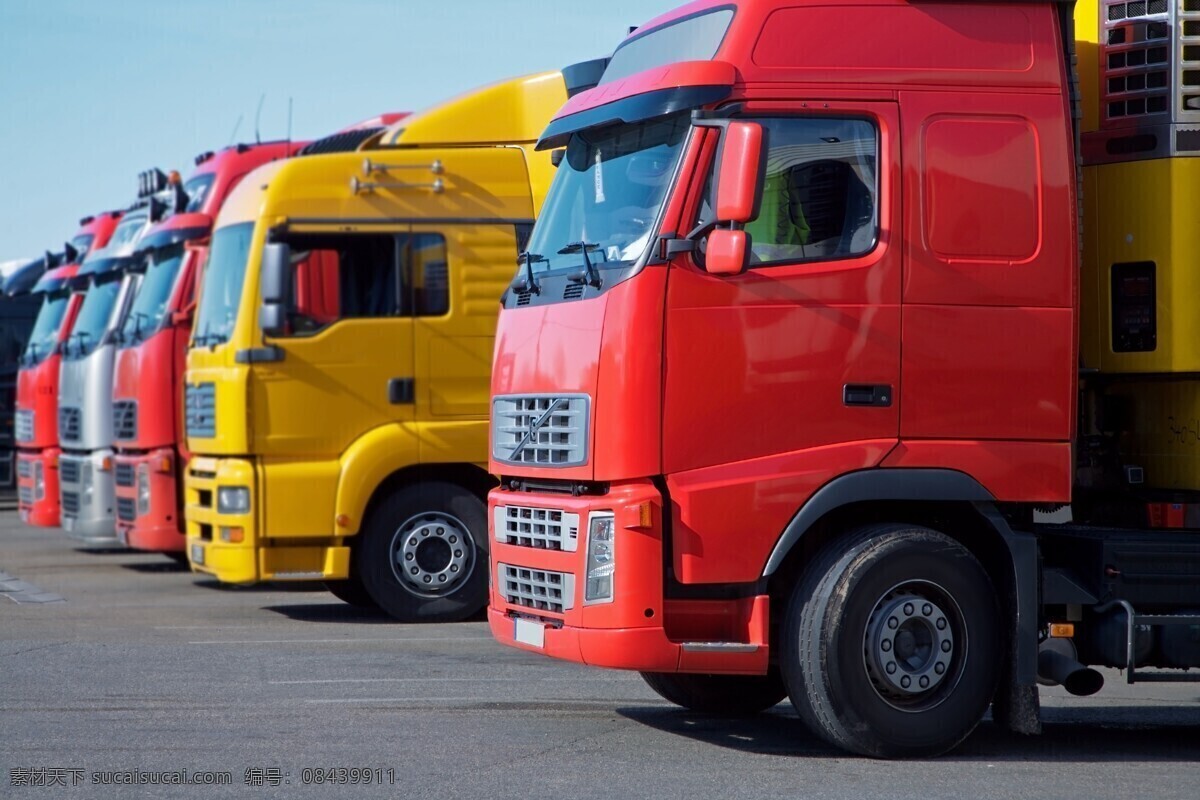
point(525, 280)
point(589, 274)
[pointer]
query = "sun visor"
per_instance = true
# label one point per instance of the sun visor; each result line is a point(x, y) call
point(176, 230)
point(654, 93)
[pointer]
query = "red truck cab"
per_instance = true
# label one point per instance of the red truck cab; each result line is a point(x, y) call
point(150, 362)
point(806, 268)
point(37, 382)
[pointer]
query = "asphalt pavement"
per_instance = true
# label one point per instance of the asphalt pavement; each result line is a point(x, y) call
point(122, 666)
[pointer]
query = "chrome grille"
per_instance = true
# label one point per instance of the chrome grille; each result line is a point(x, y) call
point(24, 468)
point(200, 410)
point(123, 474)
point(1150, 62)
point(541, 528)
point(70, 503)
point(540, 430)
point(69, 424)
point(25, 495)
point(126, 509)
point(23, 427)
point(125, 420)
point(537, 589)
point(68, 470)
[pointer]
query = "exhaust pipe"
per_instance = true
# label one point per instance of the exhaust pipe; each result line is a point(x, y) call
point(1058, 666)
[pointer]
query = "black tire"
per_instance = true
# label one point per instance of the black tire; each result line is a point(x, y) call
point(726, 695)
point(447, 526)
point(893, 584)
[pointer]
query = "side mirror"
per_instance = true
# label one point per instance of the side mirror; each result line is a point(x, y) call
point(740, 175)
point(728, 252)
point(276, 274)
point(182, 317)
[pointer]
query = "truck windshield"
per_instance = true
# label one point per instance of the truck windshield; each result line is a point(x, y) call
point(45, 328)
point(223, 278)
point(607, 196)
point(93, 317)
point(197, 189)
point(153, 296)
point(82, 243)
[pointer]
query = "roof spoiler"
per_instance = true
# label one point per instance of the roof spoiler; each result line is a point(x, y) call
point(584, 75)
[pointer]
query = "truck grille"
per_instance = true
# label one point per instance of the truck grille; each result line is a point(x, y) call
point(69, 424)
point(24, 425)
point(125, 419)
point(24, 468)
point(25, 495)
point(123, 474)
point(126, 509)
point(537, 589)
point(68, 470)
point(540, 430)
point(200, 410)
point(1150, 61)
point(541, 528)
point(70, 503)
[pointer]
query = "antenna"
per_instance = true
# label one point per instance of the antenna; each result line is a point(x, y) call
point(257, 114)
point(236, 125)
point(289, 128)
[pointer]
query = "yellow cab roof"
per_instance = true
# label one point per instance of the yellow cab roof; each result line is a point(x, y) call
point(512, 111)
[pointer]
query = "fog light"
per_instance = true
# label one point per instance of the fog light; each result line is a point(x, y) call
point(143, 489)
point(233, 500)
point(39, 482)
point(601, 558)
point(233, 535)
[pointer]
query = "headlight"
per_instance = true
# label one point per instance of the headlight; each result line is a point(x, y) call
point(601, 558)
point(85, 481)
point(233, 500)
point(143, 489)
point(39, 482)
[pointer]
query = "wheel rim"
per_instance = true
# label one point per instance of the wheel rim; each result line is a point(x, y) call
point(915, 645)
point(432, 554)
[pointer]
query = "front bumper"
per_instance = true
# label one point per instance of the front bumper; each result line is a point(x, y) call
point(211, 545)
point(638, 629)
point(38, 508)
point(158, 526)
point(86, 498)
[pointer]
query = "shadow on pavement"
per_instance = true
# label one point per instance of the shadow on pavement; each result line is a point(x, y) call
point(1102, 734)
point(157, 566)
point(107, 551)
point(234, 588)
point(336, 611)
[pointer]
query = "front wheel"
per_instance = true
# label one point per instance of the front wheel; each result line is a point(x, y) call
point(727, 695)
point(424, 554)
point(892, 643)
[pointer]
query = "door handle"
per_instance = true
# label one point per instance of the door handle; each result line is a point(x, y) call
point(861, 394)
point(401, 391)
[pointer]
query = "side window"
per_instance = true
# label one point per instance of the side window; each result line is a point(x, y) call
point(820, 197)
point(428, 273)
point(359, 276)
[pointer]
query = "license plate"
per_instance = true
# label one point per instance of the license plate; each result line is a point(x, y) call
point(25, 516)
point(198, 554)
point(68, 524)
point(530, 633)
point(123, 537)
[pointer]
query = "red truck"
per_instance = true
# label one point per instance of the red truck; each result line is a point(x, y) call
point(148, 381)
point(148, 371)
point(787, 390)
point(37, 382)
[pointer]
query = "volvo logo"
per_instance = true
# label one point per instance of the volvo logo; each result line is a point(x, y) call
point(535, 425)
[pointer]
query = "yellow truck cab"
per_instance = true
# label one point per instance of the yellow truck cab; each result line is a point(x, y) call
point(336, 398)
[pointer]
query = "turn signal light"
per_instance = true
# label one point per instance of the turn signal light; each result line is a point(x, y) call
point(106, 464)
point(163, 465)
point(1062, 630)
point(233, 535)
point(643, 513)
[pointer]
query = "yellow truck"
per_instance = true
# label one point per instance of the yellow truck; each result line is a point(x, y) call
point(336, 398)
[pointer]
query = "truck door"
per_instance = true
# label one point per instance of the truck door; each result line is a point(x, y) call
point(779, 379)
point(455, 275)
point(341, 369)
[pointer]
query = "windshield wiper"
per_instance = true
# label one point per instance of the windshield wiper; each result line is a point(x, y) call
point(588, 274)
point(526, 281)
point(79, 335)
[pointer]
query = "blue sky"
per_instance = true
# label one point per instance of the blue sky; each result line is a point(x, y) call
point(91, 93)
